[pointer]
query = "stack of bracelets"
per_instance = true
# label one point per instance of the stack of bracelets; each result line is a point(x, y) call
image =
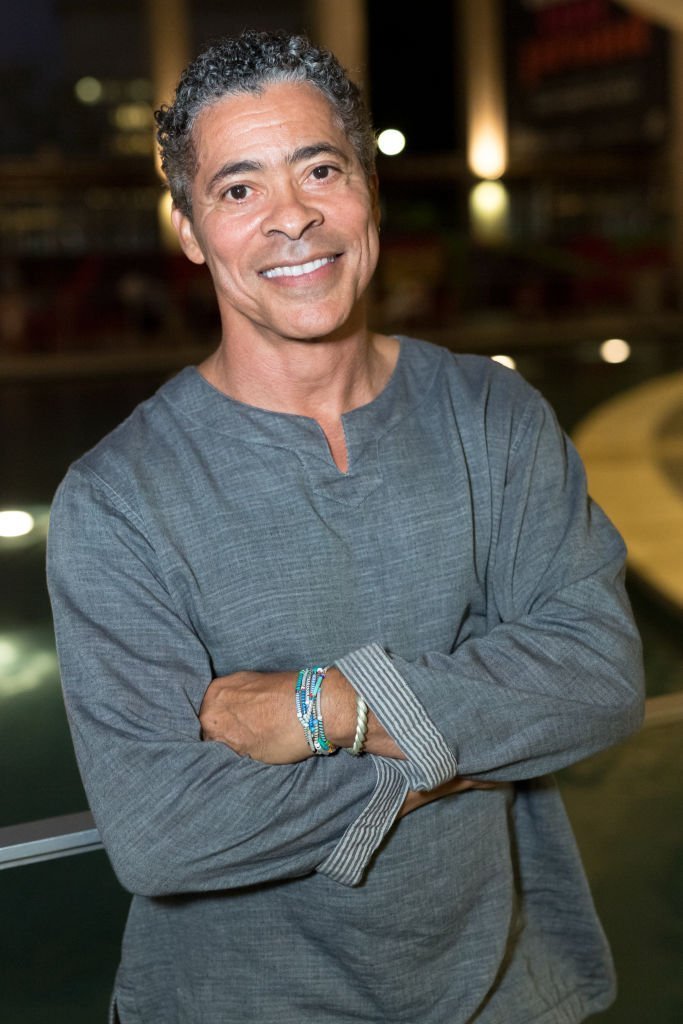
point(308, 686)
point(308, 690)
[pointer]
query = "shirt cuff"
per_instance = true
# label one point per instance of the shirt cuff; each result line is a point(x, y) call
point(352, 854)
point(430, 761)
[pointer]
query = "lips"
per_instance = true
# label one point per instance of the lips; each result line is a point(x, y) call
point(299, 269)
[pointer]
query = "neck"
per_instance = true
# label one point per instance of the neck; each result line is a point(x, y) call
point(317, 378)
point(321, 379)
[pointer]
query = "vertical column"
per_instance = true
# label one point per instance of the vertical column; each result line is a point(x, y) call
point(342, 28)
point(487, 151)
point(169, 39)
point(169, 44)
point(480, 29)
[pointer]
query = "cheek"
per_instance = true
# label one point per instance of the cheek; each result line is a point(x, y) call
point(227, 257)
point(372, 245)
point(230, 238)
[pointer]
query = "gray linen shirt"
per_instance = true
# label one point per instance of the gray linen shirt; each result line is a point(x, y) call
point(466, 586)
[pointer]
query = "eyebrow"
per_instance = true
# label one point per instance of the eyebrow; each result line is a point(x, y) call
point(230, 170)
point(316, 149)
point(301, 153)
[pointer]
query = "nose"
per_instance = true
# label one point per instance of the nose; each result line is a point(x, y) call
point(290, 213)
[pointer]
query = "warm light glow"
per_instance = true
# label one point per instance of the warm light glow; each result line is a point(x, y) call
point(14, 523)
point(487, 151)
point(485, 105)
point(615, 350)
point(133, 117)
point(505, 361)
point(489, 211)
point(167, 232)
point(88, 90)
point(489, 198)
point(391, 142)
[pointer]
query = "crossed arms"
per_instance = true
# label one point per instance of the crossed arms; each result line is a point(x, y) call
point(554, 676)
point(253, 713)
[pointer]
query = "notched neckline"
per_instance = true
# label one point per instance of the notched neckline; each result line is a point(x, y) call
point(409, 384)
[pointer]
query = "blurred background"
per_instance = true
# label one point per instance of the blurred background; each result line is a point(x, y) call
point(532, 210)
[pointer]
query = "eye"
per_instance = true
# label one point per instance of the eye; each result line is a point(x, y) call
point(236, 192)
point(322, 172)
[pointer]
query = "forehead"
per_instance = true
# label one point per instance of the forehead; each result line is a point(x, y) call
point(284, 115)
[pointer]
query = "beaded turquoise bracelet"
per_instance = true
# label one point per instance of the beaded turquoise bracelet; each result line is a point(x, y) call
point(308, 691)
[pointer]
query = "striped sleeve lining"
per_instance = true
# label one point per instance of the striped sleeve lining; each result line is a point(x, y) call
point(371, 672)
point(350, 857)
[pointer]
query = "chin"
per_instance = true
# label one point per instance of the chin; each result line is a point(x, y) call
point(319, 331)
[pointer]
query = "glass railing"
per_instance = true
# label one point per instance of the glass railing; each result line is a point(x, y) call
point(35, 841)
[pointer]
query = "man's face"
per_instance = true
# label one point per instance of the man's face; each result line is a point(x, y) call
point(282, 214)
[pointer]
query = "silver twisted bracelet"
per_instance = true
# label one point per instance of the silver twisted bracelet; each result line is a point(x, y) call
point(361, 728)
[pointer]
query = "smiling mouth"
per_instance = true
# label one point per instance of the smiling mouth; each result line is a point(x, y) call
point(300, 269)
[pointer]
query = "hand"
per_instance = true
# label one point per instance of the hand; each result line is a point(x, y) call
point(417, 798)
point(254, 713)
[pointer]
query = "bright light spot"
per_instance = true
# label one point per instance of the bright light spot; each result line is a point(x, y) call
point(487, 155)
point(489, 211)
point(23, 528)
point(505, 361)
point(391, 142)
point(489, 198)
point(615, 350)
point(88, 90)
point(14, 523)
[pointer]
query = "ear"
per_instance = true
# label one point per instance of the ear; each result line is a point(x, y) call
point(186, 236)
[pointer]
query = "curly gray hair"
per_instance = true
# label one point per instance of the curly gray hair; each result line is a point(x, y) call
point(249, 63)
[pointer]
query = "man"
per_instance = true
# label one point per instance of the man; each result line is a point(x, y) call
point(316, 525)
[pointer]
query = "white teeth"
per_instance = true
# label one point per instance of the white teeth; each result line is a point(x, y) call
point(302, 268)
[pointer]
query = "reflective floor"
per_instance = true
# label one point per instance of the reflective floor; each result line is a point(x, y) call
point(61, 921)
